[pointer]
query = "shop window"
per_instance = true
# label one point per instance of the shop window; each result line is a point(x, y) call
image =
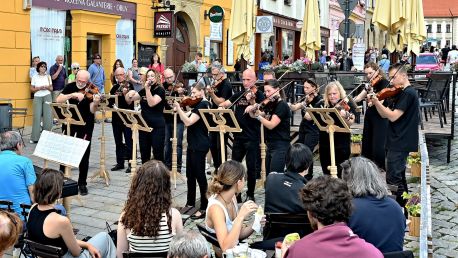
point(268, 45)
point(215, 51)
point(287, 44)
point(447, 28)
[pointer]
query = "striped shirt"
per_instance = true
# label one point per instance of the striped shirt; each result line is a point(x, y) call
point(145, 244)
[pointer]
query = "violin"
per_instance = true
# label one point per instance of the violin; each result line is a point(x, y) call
point(190, 101)
point(89, 91)
point(123, 85)
point(376, 80)
point(389, 92)
point(342, 104)
point(269, 104)
point(174, 87)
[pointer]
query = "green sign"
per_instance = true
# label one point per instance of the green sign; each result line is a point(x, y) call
point(216, 13)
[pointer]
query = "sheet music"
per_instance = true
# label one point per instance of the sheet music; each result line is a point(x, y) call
point(60, 148)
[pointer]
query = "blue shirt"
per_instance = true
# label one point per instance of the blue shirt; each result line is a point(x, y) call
point(97, 76)
point(59, 82)
point(379, 222)
point(384, 64)
point(16, 175)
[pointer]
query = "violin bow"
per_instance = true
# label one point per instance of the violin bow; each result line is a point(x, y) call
point(175, 82)
point(244, 93)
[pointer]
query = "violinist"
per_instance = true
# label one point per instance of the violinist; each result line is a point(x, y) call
point(334, 97)
point(87, 108)
point(374, 131)
point(120, 89)
point(402, 134)
point(152, 102)
point(246, 143)
point(275, 117)
point(309, 133)
point(172, 90)
point(198, 145)
point(219, 91)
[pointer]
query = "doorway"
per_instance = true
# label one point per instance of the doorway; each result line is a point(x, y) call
point(178, 54)
point(94, 46)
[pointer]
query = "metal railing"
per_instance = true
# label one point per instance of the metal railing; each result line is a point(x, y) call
point(425, 245)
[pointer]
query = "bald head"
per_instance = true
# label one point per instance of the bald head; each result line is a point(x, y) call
point(82, 78)
point(120, 74)
point(249, 78)
point(169, 75)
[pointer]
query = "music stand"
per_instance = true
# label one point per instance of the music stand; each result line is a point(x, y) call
point(133, 120)
point(263, 147)
point(68, 114)
point(324, 121)
point(222, 121)
point(175, 174)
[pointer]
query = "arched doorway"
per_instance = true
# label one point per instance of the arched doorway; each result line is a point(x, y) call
point(179, 45)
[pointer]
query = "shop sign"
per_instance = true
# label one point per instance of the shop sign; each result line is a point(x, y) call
point(358, 56)
point(264, 24)
point(163, 24)
point(284, 23)
point(325, 32)
point(125, 9)
point(216, 31)
point(216, 13)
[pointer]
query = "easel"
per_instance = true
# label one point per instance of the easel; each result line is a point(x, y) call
point(327, 123)
point(222, 121)
point(262, 146)
point(174, 139)
point(66, 117)
point(133, 120)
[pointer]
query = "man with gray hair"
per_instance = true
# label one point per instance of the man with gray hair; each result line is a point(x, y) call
point(189, 244)
point(17, 177)
point(58, 75)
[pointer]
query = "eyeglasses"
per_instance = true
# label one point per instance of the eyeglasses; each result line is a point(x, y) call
point(120, 74)
point(392, 77)
point(169, 78)
point(76, 68)
point(215, 74)
point(43, 66)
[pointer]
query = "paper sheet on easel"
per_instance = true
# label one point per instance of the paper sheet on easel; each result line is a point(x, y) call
point(60, 148)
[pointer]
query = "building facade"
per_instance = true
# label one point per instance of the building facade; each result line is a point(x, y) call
point(373, 37)
point(441, 19)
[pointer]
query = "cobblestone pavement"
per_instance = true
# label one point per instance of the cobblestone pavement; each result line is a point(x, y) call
point(104, 203)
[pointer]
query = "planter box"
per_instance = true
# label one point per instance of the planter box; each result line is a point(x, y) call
point(189, 76)
point(355, 148)
point(295, 75)
point(415, 170)
point(414, 226)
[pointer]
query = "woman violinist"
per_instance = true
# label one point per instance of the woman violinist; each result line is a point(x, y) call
point(152, 102)
point(275, 116)
point(309, 133)
point(334, 97)
point(374, 131)
point(198, 145)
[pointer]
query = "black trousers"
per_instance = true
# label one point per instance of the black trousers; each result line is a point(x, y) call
point(341, 154)
point(155, 140)
point(276, 156)
point(250, 150)
point(122, 150)
point(195, 171)
point(396, 172)
point(215, 148)
point(82, 132)
point(374, 136)
point(310, 139)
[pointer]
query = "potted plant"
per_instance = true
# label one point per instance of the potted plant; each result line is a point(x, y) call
point(189, 71)
point(413, 207)
point(414, 160)
point(355, 146)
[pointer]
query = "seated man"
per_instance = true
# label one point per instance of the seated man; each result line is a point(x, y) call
point(10, 229)
point(282, 189)
point(371, 203)
point(18, 177)
point(189, 244)
point(328, 205)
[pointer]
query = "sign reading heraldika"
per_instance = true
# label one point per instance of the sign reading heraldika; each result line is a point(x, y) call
point(163, 24)
point(125, 9)
point(216, 13)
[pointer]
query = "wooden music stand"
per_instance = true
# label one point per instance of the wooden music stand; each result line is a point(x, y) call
point(68, 114)
point(324, 121)
point(174, 139)
point(222, 121)
point(262, 147)
point(133, 120)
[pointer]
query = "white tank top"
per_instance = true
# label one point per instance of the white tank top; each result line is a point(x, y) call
point(213, 201)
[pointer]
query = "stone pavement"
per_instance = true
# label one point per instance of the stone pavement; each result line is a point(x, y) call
point(104, 203)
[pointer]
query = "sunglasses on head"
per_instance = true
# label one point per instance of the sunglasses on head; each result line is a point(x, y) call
point(76, 68)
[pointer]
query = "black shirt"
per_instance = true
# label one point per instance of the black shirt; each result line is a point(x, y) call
point(83, 106)
point(282, 192)
point(341, 140)
point(115, 90)
point(402, 134)
point(223, 90)
point(282, 131)
point(198, 133)
point(169, 116)
point(309, 126)
point(154, 116)
point(250, 126)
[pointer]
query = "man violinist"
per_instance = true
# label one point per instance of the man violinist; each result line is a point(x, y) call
point(402, 133)
point(219, 91)
point(74, 93)
point(247, 142)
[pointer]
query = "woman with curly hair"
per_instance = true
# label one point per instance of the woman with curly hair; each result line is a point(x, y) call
point(148, 222)
point(118, 63)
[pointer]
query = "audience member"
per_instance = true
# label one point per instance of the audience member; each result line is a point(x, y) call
point(189, 245)
point(371, 203)
point(58, 74)
point(148, 221)
point(46, 226)
point(41, 87)
point(75, 68)
point(97, 73)
point(10, 229)
point(328, 205)
point(33, 68)
point(118, 63)
point(157, 66)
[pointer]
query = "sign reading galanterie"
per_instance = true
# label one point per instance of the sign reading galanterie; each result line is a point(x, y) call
point(163, 22)
point(216, 13)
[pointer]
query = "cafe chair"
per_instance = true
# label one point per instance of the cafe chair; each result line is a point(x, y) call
point(6, 205)
point(44, 251)
point(130, 254)
point(399, 254)
point(281, 224)
point(210, 237)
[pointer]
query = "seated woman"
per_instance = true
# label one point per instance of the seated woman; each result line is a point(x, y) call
point(222, 216)
point(376, 218)
point(46, 226)
point(148, 222)
point(10, 229)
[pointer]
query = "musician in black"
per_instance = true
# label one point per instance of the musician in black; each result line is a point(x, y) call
point(275, 117)
point(309, 134)
point(198, 145)
point(76, 94)
point(335, 97)
point(246, 143)
point(120, 89)
point(219, 91)
point(374, 130)
point(152, 102)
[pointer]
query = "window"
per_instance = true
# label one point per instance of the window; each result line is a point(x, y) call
point(447, 42)
point(447, 28)
point(428, 28)
point(287, 44)
point(215, 51)
point(439, 43)
point(439, 28)
point(288, 2)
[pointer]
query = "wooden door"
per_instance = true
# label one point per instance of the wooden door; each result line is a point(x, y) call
point(178, 53)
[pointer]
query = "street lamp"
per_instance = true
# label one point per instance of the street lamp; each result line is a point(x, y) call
point(162, 4)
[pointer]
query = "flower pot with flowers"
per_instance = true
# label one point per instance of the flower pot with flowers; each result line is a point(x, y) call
point(414, 160)
point(189, 70)
point(413, 207)
point(355, 146)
